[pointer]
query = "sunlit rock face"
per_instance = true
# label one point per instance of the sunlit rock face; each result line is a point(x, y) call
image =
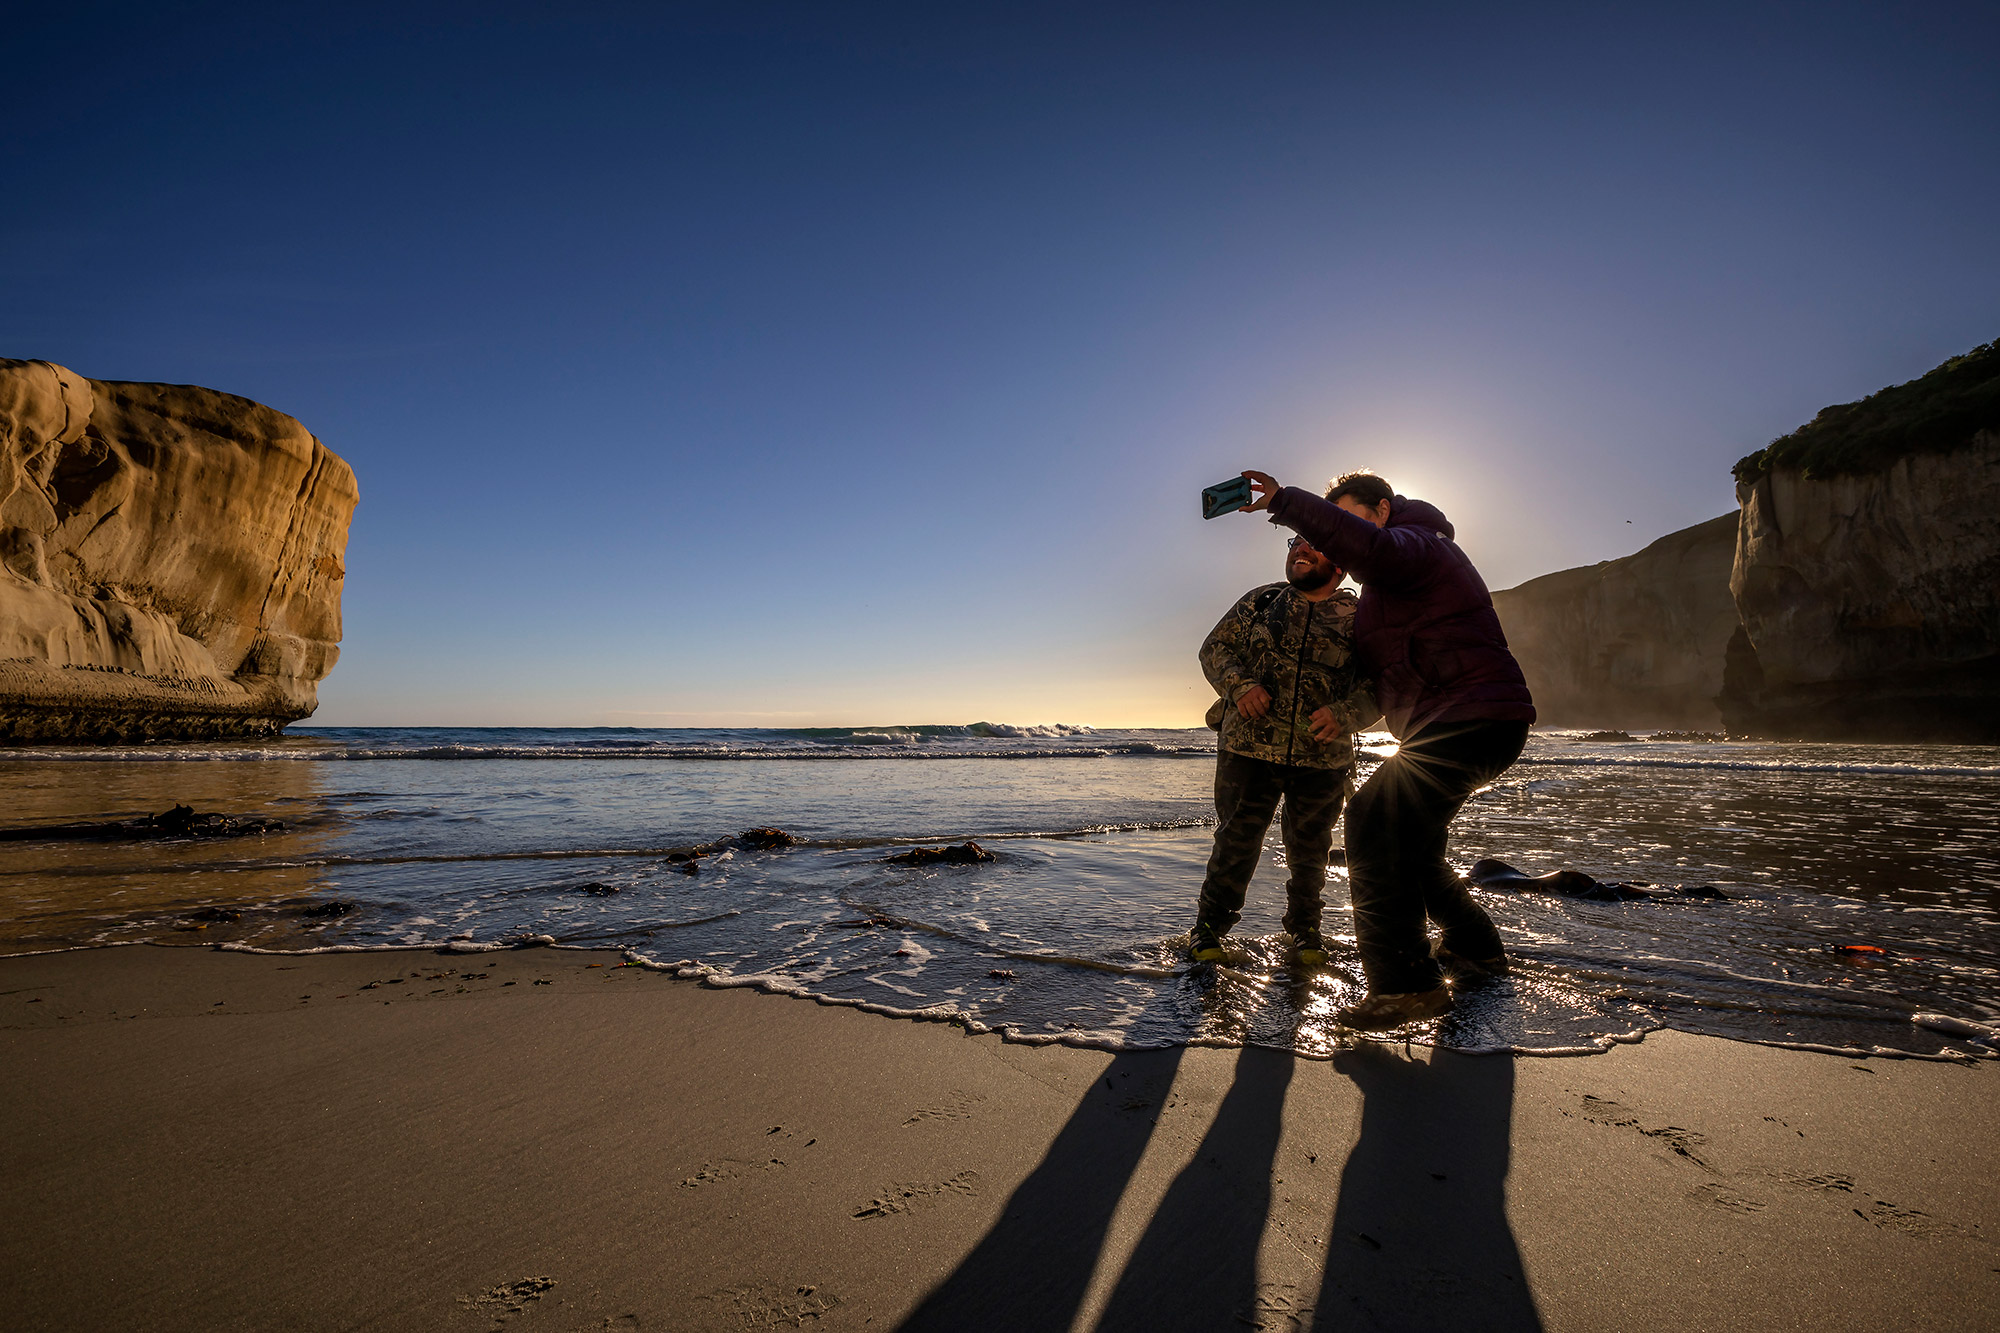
point(1633, 642)
point(1871, 602)
point(170, 560)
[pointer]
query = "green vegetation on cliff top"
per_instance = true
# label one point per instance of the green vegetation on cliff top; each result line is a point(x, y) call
point(1933, 414)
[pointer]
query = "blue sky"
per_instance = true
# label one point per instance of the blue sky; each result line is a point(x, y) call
point(823, 364)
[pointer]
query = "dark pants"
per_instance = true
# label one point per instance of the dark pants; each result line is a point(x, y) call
point(1246, 794)
point(1396, 830)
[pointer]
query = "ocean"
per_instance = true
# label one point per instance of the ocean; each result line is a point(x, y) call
point(1859, 884)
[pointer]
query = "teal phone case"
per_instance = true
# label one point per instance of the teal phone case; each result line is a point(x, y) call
point(1225, 497)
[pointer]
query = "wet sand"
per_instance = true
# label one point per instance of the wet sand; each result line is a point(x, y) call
point(541, 1139)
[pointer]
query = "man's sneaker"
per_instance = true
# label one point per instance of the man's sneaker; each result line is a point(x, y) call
point(1379, 1013)
point(1206, 943)
point(1460, 968)
point(1308, 949)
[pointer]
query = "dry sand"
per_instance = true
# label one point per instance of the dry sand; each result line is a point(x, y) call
point(541, 1139)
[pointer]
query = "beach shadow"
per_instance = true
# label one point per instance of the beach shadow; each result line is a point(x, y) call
point(1031, 1269)
point(1196, 1264)
point(1420, 1237)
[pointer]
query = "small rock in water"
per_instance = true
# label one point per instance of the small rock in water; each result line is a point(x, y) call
point(330, 909)
point(1606, 736)
point(766, 839)
point(1492, 874)
point(597, 890)
point(1001, 974)
point(180, 822)
point(183, 822)
point(964, 854)
point(1709, 736)
point(219, 914)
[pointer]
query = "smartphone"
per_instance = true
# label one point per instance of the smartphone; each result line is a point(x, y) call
point(1225, 497)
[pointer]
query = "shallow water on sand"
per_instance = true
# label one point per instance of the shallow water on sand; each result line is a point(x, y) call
point(1076, 932)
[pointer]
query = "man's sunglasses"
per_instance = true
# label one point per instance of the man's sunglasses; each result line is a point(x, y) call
point(1295, 543)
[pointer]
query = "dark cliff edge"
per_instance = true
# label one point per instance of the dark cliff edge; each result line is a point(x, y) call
point(170, 561)
point(1867, 568)
point(1635, 642)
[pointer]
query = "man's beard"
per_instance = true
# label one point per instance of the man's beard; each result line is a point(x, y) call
point(1312, 580)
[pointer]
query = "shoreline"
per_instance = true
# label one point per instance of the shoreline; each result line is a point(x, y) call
point(543, 1138)
point(1982, 1035)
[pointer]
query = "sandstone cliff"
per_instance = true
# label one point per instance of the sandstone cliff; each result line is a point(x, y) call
point(170, 560)
point(1867, 568)
point(1633, 642)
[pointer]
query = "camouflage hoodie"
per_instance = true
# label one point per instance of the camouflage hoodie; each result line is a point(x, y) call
point(1303, 653)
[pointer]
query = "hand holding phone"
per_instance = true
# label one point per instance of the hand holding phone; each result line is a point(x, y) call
point(1225, 497)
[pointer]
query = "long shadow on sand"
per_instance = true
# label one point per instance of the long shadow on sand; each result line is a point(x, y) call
point(1420, 1236)
point(1196, 1265)
point(1031, 1269)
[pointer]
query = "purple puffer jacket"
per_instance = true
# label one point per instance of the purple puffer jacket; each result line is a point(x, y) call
point(1425, 629)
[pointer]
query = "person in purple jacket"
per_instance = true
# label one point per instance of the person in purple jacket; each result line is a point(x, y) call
point(1455, 699)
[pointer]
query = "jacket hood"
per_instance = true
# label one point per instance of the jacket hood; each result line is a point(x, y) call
point(1409, 513)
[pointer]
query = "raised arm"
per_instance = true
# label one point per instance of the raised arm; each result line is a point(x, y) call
point(1382, 556)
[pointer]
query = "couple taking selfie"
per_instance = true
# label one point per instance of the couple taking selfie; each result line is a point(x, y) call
point(1300, 667)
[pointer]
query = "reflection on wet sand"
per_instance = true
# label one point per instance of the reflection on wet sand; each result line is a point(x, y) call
point(59, 893)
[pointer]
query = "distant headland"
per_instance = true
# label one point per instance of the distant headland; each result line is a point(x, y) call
point(1854, 595)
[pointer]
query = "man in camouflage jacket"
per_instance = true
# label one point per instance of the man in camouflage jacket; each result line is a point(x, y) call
point(1282, 661)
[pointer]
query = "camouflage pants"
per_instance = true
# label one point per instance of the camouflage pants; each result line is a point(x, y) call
point(1246, 795)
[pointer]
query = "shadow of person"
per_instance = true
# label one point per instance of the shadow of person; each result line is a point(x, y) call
point(1196, 1264)
point(1420, 1237)
point(1031, 1270)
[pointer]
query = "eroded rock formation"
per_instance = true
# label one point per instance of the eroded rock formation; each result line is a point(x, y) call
point(1633, 642)
point(1871, 602)
point(170, 560)
point(1868, 567)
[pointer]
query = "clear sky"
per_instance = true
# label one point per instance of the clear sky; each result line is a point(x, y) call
point(768, 364)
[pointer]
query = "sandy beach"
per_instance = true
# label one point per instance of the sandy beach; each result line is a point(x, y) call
point(198, 1139)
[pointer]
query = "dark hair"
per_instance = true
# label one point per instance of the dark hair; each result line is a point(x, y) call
point(1363, 485)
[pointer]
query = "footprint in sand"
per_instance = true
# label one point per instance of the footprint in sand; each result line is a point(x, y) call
point(1725, 1198)
point(765, 1305)
point(503, 1302)
point(959, 1106)
point(1603, 1111)
point(729, 1168)
point(1878, 1212)
point(911, 1198)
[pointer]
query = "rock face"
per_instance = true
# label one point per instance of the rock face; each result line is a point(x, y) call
point(1871, 602)
point(170, 560)
point(1634, 642)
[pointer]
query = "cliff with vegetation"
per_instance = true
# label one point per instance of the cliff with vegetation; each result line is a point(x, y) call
point(1633, 642)
point(170, 560)
point(1867, 567)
